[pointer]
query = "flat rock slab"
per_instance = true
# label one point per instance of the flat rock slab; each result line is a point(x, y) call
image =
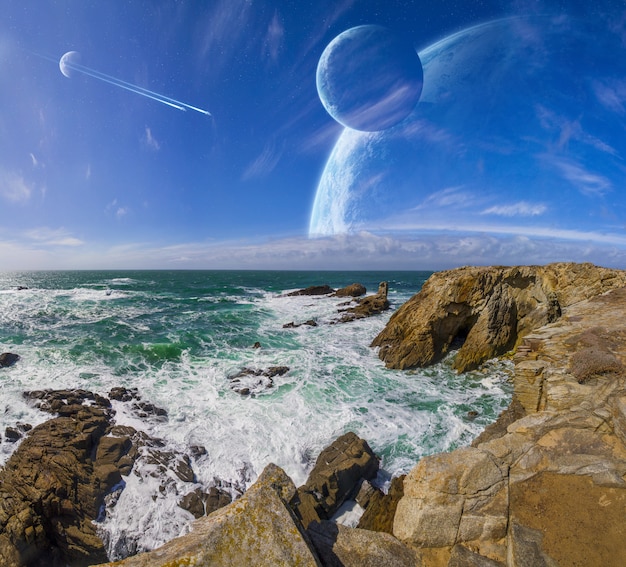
point(581, 523)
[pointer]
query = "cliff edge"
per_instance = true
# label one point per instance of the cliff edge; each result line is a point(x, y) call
point(487, 309)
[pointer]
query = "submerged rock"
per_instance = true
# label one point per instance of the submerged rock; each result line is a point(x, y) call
point(489, 309)
point(8, 359)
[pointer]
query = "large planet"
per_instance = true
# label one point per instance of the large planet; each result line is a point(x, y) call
point(520, 129)
point(369, 78)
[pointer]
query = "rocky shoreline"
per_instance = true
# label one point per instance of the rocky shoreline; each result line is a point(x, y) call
point(544, 485)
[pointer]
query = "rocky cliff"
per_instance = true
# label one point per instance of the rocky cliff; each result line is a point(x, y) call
point(486, 310)
point(547, 488)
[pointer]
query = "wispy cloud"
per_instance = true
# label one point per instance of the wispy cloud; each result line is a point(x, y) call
point(13, 187)
point(264, 163)
point(365, 250)
point(520, 209)
point(116, 209)
point(455, 196)
point(570, 130)
point(587, 182)
point(150, 141)
point(611, 93)
point(45, 236)
point(274, 37)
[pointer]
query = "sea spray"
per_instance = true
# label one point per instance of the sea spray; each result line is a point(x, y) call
point(179, 338)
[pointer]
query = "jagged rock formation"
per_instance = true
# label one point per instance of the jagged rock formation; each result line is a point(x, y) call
point(549, 488)
point(312, 290)
point(367, 306)
point(268, 524)
point(256, 529)
point(55, 484)
point(488, 308)
point(338, 470)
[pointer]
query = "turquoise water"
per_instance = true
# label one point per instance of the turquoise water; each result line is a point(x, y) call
point(179, 336)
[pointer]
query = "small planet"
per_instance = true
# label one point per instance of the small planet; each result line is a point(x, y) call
point(369, 78)
point(66, 61)
point(519, 130)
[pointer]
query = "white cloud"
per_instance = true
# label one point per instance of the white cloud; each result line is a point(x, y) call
point(151, 141)
point(587, 182)
point(45, 236)
point(121, 212)
point(521, 209)
point(274, 37)
point(363, 251)
point(13, 187)
point(264, 163)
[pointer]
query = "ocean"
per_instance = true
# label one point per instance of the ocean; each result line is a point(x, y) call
point(179, 337)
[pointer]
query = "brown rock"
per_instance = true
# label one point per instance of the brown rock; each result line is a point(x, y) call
point(367, 306)
point(201, 503)
point(257, 529)
point(339, 546)
point(490, 309)
point(312, 290)
point(337, 473)
point(381, 509)
point(352, 290)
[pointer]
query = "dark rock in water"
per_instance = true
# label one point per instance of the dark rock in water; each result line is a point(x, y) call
point(11, 435)
point(336, 475)
point(21, 288)
point(256, 345)
point(312, 290)
point(381, 508)
point(292, 325)
point(146, 409)
point(250, 380)
point(367, 306)
point(201, 503)
point(352, 290)
point(8, 359)
point(122, 394)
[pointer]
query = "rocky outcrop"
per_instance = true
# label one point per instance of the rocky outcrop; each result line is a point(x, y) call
point(56, 483)
point(337, 472)
point(52, 490)
point(264, 526)
point(257, 529)
point(352, 290)
point(547, 484)
point(312, 290)
point(367, 306)
point(486, 311)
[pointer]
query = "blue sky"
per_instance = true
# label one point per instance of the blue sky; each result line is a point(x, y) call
point(95, 176)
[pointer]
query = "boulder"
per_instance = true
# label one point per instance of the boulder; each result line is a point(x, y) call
point(381, 508)
point(352, 290)
point(8, 359)
point(339, 546)
point(487, 309)
point(257, 529)
point(337, 474)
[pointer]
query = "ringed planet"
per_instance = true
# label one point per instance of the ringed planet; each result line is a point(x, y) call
point(70, 62)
